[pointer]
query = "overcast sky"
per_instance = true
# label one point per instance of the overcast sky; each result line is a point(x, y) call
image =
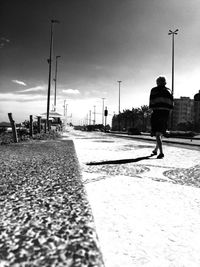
point(100, 42)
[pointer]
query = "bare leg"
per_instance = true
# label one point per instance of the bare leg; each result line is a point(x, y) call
point(159, 142)
point(156, 148)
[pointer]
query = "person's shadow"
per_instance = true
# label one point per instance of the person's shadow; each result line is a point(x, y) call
point(120, 161)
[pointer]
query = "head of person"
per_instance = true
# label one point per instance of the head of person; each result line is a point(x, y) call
point(161, 81)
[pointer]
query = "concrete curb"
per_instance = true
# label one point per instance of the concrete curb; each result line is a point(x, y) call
point(184, 142)
point(46, 219)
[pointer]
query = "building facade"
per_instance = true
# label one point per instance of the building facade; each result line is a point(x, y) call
point(197, 111)
point(183, 111)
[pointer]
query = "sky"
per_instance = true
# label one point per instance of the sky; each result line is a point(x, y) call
point(99, 43)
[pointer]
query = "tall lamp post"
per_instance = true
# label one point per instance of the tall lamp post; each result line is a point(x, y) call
point(90, 112)
point(55, 80)
point(119, 94)
point(65, 112)
point(173, 33)
point(94, 115)
point(103, 110)
point(50, 61)
point(119, 123)
point(64, 106)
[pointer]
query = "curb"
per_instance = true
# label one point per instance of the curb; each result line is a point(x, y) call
point(46, 219)
point(153, 140)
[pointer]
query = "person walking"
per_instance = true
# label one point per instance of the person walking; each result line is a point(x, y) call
point(161, 104)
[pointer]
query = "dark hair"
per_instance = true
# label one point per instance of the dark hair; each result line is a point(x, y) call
point(161, 80)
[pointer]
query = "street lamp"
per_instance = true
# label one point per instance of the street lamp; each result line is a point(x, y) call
point(65, 112)
point(173, 33)
point(119, 94)
point(103, 110)
point(55, 80)
point(64, 106)
point(90, 112)
point(49, 61)
point(94, 115)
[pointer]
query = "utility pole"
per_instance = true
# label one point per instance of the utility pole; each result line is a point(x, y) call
point(119, 94)
point(90, 112)
point(71, 118)
point(49, 80)
point(64, 108)
point(103, 110)
point(87, 119)
point(173, 33)
point(94, 115)
point(55, 80)
point(106, 114)
point(66, 113)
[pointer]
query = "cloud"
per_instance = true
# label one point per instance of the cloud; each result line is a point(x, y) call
point(71, 91)
point(33, 89)
point(20, 98)
point(19, 82)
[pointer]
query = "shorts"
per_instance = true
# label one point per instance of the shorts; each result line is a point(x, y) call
point(159, 121)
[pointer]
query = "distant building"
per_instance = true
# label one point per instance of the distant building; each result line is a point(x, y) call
point(197, 111)
point(55, 119)
point(183, 111)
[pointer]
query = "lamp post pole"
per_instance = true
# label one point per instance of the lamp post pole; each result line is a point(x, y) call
point(64, 108)
point(94, 115)
point(119, 94)
point(119, 123)
point(90, 117)
point(50, 61)
point(55, 80)
point(103, 110)
point(173, 33)
point(66, 114)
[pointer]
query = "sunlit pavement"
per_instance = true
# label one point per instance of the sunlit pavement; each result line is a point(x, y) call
point(146, 211)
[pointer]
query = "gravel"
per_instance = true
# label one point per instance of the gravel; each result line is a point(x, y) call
point(45, 219)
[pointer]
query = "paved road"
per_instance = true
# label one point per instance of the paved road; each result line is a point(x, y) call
point(146, 211)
